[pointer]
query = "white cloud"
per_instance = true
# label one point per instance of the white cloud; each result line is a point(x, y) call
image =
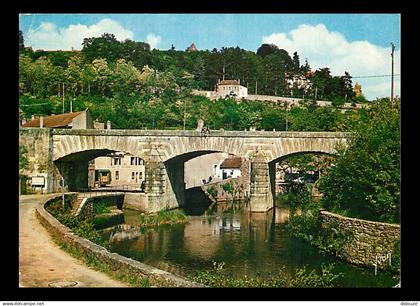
point(48, 37)
point(153, 40)
point(324, 48)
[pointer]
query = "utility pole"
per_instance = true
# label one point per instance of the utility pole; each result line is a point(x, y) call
point(62, 192)
point(256, 86)
point(63, 97)
point(223, 70)
point(392, 74)
point(185, 111)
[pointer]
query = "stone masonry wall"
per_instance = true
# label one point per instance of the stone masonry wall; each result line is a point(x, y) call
point(370, 242)
point(239, 190)
point(113, 261)
point(38, 143)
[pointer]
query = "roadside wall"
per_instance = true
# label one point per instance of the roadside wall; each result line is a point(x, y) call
point(115, 262)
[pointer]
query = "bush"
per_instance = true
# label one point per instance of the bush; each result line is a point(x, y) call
point(228, 187)
point(329, 239)
point(365, 180)
point(100, 208)
point(81, 227)
point(212, 191)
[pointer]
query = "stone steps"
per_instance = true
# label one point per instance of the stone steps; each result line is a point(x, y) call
point(76, 204)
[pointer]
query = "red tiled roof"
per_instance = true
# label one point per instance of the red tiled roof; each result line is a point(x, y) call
point(231, 163)
point(228, 82)
point(54, 121)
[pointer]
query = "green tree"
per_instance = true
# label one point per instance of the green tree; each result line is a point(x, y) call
point(21, 41)
point(365, 181)
point(106, 47)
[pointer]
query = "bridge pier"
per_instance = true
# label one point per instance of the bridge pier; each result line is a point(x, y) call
point(75, 175)
point(261, 198)
point(164, 186)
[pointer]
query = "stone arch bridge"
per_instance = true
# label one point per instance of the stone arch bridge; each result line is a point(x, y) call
point(57, 153)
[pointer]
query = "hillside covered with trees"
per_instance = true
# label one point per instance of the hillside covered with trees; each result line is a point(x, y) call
point(135, 87)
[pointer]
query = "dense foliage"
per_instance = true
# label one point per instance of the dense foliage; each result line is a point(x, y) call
point(135, 87)
point(365, 181)
point(80, 226)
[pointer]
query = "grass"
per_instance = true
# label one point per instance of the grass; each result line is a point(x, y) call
point(92, 262)
point(301, 278)
point(163, 217)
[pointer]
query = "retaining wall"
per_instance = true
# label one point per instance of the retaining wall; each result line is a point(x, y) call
point(370, 242)
point(239, 190)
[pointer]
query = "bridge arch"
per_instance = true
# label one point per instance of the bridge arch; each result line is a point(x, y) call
point(74, 168)
point(283, 148)
point(272, 165)
point(66, 146)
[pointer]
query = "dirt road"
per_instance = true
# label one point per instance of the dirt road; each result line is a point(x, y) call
point(42, 263)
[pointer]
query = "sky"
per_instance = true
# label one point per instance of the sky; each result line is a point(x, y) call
point(356, 43)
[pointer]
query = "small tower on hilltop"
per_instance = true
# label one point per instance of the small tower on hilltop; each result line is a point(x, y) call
point(357, 89)
point(192, 48)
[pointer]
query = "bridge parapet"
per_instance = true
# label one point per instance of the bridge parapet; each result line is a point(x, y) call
point(213, 133)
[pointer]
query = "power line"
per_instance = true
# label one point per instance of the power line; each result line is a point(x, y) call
point(374, 76)
point(34, 104)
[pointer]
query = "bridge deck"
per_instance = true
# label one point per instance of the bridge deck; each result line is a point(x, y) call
point(193, 133)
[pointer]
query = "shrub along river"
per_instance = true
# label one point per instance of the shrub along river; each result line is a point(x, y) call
point(228, 235)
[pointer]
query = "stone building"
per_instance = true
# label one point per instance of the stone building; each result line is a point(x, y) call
point(229, 168)
point(125, 169)
point(202, 167)
point(74, 120)
point(231, 88)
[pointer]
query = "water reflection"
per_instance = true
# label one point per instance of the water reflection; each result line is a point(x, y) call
point(249, 243)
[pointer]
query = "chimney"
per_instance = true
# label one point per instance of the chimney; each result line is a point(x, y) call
point(108, 125)
point(41, 122)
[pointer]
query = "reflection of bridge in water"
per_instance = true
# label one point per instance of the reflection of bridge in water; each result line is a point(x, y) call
point(122, 232)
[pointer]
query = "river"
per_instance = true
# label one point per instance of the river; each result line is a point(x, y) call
point(247, 243)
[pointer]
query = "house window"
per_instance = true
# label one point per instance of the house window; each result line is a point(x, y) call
point(135, 161)
point(117, 175)
point(137, 176)
point(133, 176)
point(141, 175)
point(117, 161)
